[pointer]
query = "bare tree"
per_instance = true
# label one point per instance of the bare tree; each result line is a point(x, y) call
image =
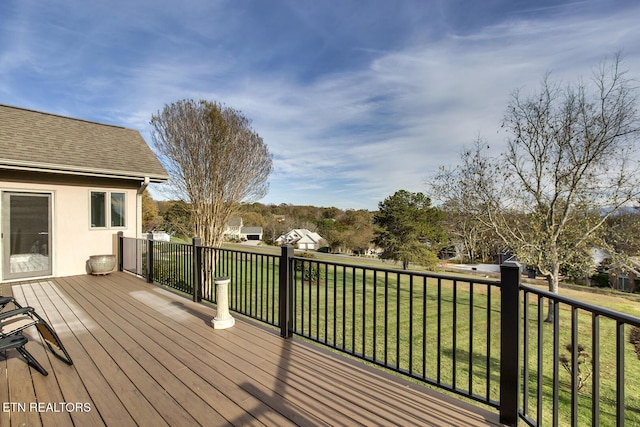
point(570, 164)
point(463, 194)
point(215, 161)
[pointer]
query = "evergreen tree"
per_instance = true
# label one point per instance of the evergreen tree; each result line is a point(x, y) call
point(409, 229)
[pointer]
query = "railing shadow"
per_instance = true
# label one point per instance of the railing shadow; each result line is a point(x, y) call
point(279, 395)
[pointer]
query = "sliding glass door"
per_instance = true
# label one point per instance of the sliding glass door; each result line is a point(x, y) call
point(26, 235)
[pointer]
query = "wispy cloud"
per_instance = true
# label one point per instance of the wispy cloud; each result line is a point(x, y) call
point(354, 103)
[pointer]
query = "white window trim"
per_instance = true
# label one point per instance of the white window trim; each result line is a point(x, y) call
point(107, 206)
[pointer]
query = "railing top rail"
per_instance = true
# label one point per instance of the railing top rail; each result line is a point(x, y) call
point(251, 252)
point(612, 314)
point(470, 279)
point(164, 242)
point(265, 252)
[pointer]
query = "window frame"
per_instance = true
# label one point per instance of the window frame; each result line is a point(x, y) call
point(108, 207)
point(623, 282)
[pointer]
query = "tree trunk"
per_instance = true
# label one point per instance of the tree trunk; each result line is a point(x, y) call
point(209, 262)
point(552, 280)
point(550, 313)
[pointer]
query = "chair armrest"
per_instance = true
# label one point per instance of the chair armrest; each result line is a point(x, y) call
point(15, 312)
point(6, 300)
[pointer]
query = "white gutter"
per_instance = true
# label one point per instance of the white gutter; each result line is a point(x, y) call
point(143, 186)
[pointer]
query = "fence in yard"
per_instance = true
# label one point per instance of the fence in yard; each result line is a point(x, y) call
point(484, 339)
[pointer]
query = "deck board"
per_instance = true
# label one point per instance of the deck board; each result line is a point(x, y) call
point(162, 338)
point(146, 356)
point(70, 387)
point(165, 365)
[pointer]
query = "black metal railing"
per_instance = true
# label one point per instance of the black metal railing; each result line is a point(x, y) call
point(172, 265)
point(192, 268)
point(577, 361)
point(487, 340)
point(132, 255)
point(439, 329)
point(253, 290)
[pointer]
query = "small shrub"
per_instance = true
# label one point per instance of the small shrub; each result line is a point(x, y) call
point(601, 280)
point(311, 272)
point(308, 255)
point(584, 368)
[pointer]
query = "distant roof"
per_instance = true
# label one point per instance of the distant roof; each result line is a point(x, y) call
point(235, 221)
point(37, 141)
point(251, 230)
point(298, 234)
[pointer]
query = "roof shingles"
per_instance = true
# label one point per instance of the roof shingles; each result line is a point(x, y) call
point(41, 141)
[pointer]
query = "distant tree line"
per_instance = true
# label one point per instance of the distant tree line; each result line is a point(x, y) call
point(442, 232)
point(345, 231)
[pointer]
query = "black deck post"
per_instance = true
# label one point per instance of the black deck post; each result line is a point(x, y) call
point(509, 342)
point(120, 250)
point(149, 257)
point(196, 266)
point(285, 299)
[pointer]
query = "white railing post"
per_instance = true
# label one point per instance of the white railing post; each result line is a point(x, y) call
point(223, 319)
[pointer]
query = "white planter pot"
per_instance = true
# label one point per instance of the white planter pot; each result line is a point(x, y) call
point(102, 264)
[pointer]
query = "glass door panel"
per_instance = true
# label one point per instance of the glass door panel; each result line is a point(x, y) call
point(26, 235)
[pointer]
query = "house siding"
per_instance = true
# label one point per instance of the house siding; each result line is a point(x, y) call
point(73, 240)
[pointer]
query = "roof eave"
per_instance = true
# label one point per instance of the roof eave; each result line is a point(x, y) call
point(66, 170)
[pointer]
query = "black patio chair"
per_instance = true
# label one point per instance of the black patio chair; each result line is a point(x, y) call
point(18, 342)
point(6, 300)
point(13, 322)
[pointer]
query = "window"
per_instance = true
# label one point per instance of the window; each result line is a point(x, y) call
point(623, 282)
point(98, 212)
point(107, 208)
point(117, 209)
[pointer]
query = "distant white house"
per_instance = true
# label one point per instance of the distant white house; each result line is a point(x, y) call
point(301, 238)
point(236, 231)
point(233, 228)
point(161, 236)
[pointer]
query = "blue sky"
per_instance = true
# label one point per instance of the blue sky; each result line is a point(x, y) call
point(355, 99)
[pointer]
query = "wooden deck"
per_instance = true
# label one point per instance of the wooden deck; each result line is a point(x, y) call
point(145, 356)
